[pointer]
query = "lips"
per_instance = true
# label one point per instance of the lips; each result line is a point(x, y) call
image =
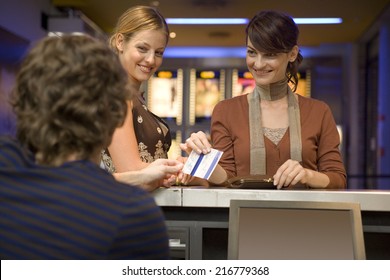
point(145, 69)
point(262, 72)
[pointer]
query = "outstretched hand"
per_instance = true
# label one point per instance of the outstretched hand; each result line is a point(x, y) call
point(161, 172)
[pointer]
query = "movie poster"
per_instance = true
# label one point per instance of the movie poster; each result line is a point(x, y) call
point(165, 94)
point(244, 83)
point(209, 90)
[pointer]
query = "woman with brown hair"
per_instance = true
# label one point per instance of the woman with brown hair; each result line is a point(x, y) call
point(273, 131)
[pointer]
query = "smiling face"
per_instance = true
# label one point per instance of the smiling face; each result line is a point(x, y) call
point(142, 55)
point(268, 68)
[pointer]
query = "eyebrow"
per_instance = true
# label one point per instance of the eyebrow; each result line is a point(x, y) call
point(145, 43)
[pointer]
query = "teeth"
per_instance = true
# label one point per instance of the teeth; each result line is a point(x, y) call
point(145, 69)
point(263, 71)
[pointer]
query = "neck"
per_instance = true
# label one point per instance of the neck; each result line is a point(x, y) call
point(273, 91)
point(134, 86)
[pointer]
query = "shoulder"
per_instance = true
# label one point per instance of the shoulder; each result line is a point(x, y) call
point(312, 104)
point(235, 102)
point(9, 142)
point(94, 179)
point(13, 154)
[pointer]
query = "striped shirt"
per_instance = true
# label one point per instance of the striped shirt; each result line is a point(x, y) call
point(75, 211)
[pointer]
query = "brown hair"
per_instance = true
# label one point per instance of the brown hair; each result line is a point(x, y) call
point(136, 19)
point(275, 32)
point(69, 97)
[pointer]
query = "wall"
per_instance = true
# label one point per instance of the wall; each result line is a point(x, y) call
point(20, 25)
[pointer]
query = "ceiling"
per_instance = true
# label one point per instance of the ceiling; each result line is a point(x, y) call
point(357, 15)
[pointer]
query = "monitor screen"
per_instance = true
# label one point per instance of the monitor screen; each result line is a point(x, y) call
point(295, 230)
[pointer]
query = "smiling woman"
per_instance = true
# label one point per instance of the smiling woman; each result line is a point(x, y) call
point(275, 132)
point(284, 141)
point(139, 39)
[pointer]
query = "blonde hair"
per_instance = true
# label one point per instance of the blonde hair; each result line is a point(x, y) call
point(135, 19)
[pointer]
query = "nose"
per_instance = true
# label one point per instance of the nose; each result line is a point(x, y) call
point(259, 61)
point(150, 57)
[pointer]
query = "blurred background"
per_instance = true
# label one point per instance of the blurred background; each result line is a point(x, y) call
point(346, 64)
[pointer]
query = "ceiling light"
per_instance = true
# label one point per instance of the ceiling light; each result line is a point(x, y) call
point(207, 20)
point(217, 52)
point(246, 21)
point(318, 20)
point(180, 52)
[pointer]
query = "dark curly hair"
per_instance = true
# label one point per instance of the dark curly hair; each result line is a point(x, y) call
point(275, 32)
point(69, 97)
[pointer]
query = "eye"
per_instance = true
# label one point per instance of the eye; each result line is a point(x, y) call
point(159, 53)
point(251, 52)
point(142, 48)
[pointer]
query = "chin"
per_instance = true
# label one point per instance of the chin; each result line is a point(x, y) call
point(263, 82)
point(143, 77)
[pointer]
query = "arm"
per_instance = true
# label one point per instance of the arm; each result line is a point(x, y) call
point(327, 170)
point(158, 173)
point(292, 172)
point(222, 137)
point(227, 131)
point(124, 146)
point(330, 162)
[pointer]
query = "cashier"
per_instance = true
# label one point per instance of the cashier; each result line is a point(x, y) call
point(273, 131)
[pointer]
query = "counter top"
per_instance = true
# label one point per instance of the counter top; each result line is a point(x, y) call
point(370, 200)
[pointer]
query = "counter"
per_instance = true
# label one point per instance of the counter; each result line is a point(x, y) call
point(198, 216)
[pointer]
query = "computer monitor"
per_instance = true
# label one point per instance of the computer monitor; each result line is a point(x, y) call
point(295, 230)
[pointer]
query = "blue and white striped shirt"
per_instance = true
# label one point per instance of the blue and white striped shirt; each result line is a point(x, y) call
point(75, 211)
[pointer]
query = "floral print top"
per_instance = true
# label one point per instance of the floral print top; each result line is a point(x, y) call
point(152, 133)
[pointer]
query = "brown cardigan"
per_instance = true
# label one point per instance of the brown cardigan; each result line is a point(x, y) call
point(320, 140)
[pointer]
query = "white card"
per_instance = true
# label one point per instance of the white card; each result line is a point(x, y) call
point(202, 165)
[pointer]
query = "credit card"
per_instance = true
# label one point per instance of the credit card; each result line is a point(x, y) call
point(202, 165)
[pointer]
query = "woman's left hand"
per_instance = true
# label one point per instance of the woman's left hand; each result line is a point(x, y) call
point(290, 173)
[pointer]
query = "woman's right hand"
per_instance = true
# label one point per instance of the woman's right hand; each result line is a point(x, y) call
point(161, 172)
point(197, 142)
